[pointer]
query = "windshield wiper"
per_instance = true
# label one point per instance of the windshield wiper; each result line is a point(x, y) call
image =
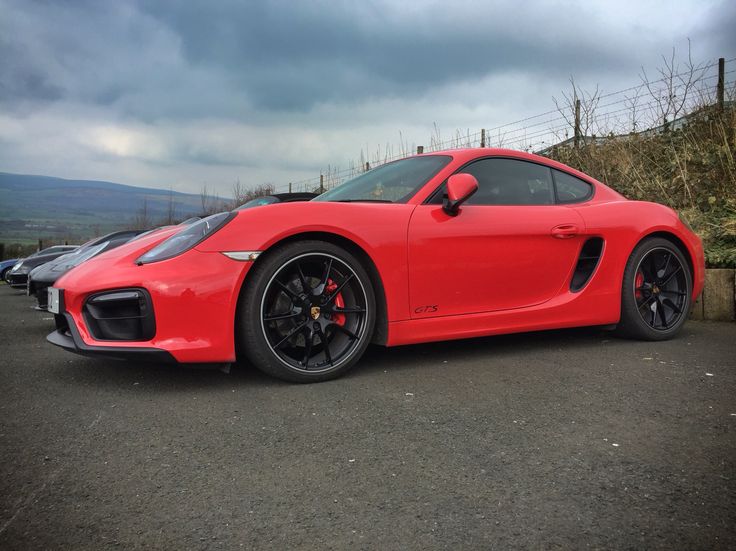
point(363, 201)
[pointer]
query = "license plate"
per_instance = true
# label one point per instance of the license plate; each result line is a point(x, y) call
point(53, 300)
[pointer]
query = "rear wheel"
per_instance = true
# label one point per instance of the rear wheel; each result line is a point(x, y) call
point(656, 291)
point(307, 313)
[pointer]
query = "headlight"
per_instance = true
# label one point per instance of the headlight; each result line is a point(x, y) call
point(19, 268)
point(69, 261)
point(187, 238)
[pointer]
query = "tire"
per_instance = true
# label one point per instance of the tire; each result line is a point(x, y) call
point(307, 312)
point(3, 274)
point(656, 292)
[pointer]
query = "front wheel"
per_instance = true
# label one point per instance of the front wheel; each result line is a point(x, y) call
point(656, 291)
point(307, 313)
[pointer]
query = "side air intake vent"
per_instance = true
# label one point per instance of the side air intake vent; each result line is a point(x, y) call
point(120, 315)
point(589, 257)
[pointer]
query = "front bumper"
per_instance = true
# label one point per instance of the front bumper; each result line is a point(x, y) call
point(17, 280)
point(67, 337)
point(193, 296)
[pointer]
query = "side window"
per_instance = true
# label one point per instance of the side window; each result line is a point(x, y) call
point(510, 182)
point(571, 189)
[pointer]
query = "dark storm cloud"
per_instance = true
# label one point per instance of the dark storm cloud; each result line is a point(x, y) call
point(189, 59)
point(21, 81)
point(159, 91)
point(294, 54)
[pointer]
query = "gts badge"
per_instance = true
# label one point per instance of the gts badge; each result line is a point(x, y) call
point(431, 309)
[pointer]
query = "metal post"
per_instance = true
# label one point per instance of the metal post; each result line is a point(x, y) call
point(40, 245)
point(289, 187)
point(482, 137)
point(367, 166)
point(576, 140)
point(721, 83)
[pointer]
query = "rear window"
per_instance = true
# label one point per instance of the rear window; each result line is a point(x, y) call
point(570, 189)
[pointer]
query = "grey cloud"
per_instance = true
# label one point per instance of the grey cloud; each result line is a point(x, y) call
point(291, 55)
point(166, 89)
point(189, 59)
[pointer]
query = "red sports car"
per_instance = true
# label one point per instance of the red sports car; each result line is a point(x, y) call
point(446, 245)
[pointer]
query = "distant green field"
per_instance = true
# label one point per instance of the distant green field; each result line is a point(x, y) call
point(56, 210)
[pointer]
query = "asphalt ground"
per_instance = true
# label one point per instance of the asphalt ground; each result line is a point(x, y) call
point(557, 440)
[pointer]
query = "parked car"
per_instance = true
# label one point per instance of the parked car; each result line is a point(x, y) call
point(445, 245)
point(18, 274)
point(6, 265)
point(277, 198)
point(43, 276)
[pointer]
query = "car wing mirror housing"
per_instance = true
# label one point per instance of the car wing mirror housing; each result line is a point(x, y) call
point(460, 187)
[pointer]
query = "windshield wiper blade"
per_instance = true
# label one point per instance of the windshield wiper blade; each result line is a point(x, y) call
point(363, 201)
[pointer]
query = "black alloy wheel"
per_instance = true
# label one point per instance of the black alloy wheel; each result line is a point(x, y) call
point(660, 289)
point(315, 313)
point(656, 294)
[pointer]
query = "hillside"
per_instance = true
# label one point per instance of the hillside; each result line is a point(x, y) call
point(56, 209)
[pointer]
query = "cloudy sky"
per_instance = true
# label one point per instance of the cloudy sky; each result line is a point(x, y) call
point(177, 94)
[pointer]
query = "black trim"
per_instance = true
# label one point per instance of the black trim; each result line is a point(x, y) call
point(106, 323)
point(18, 281)
point(67, 337)
point(588, 260)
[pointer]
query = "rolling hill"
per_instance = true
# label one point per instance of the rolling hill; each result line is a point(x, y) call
point(44, 207)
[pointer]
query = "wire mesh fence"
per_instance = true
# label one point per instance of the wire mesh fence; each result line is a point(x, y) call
point(651, 106)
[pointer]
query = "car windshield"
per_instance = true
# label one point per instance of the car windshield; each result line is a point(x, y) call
point(259, 201)
point(395, 182)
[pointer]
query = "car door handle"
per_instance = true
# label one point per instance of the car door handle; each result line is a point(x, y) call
point(565, 231)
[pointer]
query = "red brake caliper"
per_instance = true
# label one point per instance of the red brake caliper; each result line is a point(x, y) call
point(339, 319)
point(638, 282)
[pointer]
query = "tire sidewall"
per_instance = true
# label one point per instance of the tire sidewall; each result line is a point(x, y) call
point(250, 333)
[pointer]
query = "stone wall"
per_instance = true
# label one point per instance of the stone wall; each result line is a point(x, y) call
point(718, 302)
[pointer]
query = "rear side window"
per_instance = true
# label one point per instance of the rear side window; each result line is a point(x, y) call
point(571, 189)
point(510, 182)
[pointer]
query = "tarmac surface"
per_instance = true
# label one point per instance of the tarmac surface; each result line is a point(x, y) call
point(556, 440)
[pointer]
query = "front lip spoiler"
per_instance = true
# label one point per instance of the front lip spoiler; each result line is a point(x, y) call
point(71, 340)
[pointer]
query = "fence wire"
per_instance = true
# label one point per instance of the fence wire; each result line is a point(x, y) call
point(636, 109)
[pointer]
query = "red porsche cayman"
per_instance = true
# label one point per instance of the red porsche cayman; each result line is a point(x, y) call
point(446, 245)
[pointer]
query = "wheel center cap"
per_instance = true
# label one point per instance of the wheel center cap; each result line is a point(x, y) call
point(314, 312)
point(655, 290)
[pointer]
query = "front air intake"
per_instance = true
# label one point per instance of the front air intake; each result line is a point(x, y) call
point(590, 254)
point(120, 315)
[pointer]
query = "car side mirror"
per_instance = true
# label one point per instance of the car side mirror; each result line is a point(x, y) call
point(460, 187)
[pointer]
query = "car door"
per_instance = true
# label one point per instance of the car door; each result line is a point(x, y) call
point(510, 246)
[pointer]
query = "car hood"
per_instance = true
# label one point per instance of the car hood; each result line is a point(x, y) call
point(132, 249)
point(33, 261)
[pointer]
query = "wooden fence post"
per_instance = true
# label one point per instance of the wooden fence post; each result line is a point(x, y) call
point(321, 183)
point(482, 137)
point(40, 245)
point(576, 139)
point(289, 187)
point(367, 166)
point(721, 82)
